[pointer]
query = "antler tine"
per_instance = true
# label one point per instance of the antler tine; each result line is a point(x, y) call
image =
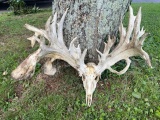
point(130, 24)
point(47, 29)
point(143, 37)
point(34, 29)
point(83, 56)
point(48, 24)
point(101, 54)
point(75, 52)
point(136, 30)
point(82, 65)
point(137, 26)
point(146, 57)
point(72, 43)
point(122, 31)
point(33, 40)
point(53, 27)
point(109, 44)
point(60, 28)
point(38, 32)
point(106, 50)
point(50, 28)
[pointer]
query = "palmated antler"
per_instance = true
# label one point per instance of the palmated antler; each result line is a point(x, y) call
point(130, 44)
point(51, 46)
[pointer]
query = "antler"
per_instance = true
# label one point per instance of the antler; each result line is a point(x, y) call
point(51, 46)
point(130, 45)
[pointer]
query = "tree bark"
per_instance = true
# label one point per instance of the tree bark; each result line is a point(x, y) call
point(91, 21)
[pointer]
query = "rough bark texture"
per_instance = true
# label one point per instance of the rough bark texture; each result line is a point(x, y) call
point(91, 21)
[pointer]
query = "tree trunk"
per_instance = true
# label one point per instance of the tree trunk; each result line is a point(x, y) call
point(91, 21)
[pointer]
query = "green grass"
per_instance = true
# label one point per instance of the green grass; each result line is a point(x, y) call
point(133, 96)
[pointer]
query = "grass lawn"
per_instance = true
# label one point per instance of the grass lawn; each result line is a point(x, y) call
point(132, 96)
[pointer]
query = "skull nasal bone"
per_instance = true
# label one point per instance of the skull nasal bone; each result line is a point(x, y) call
point(89, 96)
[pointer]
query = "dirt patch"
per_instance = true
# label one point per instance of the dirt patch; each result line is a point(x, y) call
point(52, 83)
point(19, 89)
point(103, 85)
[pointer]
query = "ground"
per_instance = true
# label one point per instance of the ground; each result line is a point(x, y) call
point(143, 1)
point(133, 96)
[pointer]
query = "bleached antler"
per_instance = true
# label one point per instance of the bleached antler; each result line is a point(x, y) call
point(54, 49)
point(130, 45)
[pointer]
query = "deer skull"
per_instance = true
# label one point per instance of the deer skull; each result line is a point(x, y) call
point(90, 80)
point(130, 44)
